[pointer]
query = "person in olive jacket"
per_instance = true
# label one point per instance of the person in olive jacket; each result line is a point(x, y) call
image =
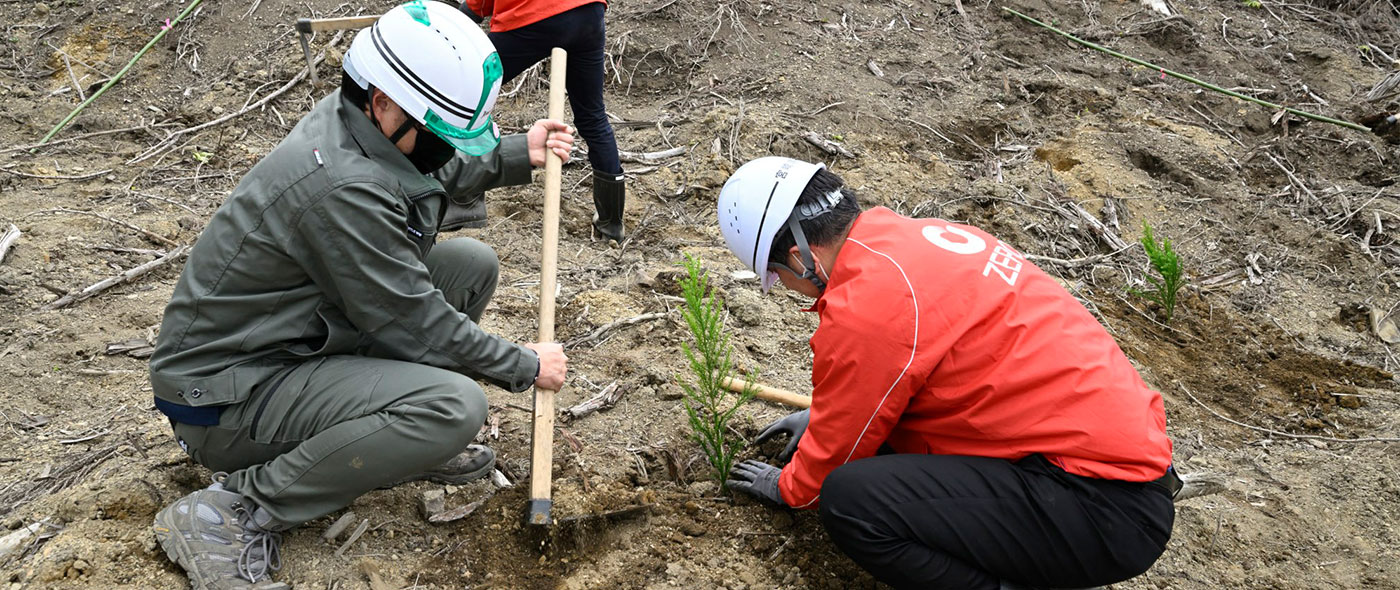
point(318, 345)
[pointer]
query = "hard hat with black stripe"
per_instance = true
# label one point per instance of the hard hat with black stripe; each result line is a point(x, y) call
point(438, 66)
point(757, 202)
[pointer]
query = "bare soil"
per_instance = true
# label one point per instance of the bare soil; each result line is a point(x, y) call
point(1287, 228)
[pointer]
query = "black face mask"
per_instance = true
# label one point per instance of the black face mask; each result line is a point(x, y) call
point(429, 153)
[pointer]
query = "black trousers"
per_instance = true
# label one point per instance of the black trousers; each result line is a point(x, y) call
point(581, 32)
point(937, 521)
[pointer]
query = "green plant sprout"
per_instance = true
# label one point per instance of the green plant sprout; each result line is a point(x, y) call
point(1169, 277)
point(1252, 3)
point(707, 404)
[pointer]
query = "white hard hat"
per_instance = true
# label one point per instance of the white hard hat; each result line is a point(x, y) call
point(756, 203)
point(437, 66)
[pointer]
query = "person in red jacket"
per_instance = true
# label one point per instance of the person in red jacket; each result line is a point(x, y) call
point(972, 425)
point(524, 32)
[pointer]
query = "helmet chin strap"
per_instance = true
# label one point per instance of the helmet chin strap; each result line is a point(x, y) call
point(809, 266)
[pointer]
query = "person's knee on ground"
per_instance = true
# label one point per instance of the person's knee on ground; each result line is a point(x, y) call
point(455, 421)
point(467, 272)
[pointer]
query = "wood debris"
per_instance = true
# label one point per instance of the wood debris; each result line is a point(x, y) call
point(125, 277)
point(827, 145)
point(338, 527)
point(355, 536)
point(134, 347)
point(605, 400)
point(11, 235)
point(456, 513)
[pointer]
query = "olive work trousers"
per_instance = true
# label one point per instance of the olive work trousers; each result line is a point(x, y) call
point(318, 434)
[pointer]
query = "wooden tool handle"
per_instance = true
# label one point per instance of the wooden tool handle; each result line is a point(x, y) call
point(770, 394)
point(542, 452)
point(311, 25)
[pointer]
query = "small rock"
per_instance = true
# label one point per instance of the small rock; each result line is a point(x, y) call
point(693, 529)
point(432, 502)
point(675, 570)
point(703, 489)
point(450, 489)
point(41, 9)
point(217, 110)
point(691, 507)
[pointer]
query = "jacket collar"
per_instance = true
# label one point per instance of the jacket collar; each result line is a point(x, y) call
point(377, 147)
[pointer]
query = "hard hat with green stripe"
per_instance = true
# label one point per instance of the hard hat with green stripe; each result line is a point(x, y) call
point(438, 66)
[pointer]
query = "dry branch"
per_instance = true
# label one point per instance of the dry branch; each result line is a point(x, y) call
point(827, 145)
point(1073, 262)
point(113, 221)
point(11, 235)
point(603, 330)
point(125, 277)
point(605, 399)
point(650, 157)
point(170, 138)
point(1279, 432)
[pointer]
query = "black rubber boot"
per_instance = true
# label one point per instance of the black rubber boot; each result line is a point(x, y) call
point(609, 196)
point(470, 211)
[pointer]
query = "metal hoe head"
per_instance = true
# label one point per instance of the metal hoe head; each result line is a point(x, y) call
point(538, 512)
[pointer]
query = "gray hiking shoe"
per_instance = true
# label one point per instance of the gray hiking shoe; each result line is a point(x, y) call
point(210, 533)
point(472, 464)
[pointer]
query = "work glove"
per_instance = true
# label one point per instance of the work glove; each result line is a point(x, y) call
point(476, 18)
point(758, 479)
point(793, 425)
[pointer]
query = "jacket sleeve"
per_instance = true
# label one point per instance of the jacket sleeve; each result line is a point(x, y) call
point(861, 384)
point(508, 165)
point(356, 250)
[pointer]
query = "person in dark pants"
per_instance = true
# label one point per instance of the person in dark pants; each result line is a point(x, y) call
point(972, 425)
point(524, 32)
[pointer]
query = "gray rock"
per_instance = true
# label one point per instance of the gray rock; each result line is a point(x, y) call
point(432, 502)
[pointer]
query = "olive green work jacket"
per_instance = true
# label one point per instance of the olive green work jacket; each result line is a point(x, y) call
point(319, 250)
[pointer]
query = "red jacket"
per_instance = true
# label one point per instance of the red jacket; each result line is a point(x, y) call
point(513, 14)
point(937, 338)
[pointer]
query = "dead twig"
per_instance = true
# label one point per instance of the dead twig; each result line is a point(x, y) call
point(605, 399)
point(31, 146)
point(355, 536)
point(56, 176)
point(125, 277)
point(1278, 432)
point(651, 157)
point(603, 330)
point(135, 228)
point(171, 137)
point(1073, 262)
point(11, 236)
point(827, 145)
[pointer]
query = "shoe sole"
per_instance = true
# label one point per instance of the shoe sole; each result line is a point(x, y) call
point(461, 478)
point(445, 479)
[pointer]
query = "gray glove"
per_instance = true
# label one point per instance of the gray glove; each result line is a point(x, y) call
point(757, 478)
point(793, 425)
